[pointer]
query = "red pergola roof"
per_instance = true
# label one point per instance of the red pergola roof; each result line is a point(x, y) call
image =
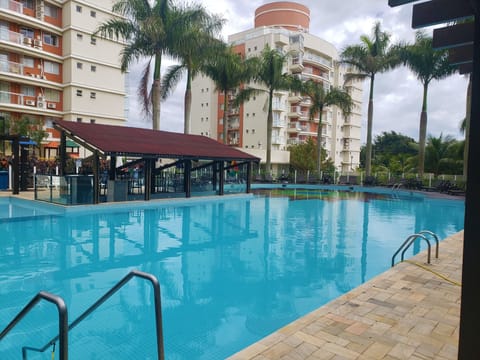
point(121, 140)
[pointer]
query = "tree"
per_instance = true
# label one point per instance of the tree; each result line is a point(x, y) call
point(194, 47)
point(427, 64)
point(269, 73)
point(372, 56)
point(303, 156)
point(151, 30)
point(320, 98)
point(31, 127)
point(228, 71)
point(442, 155)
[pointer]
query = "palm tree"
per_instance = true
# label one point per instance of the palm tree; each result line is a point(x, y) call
point(441, 154)
point(269, 73)
point(228, 71)
point(427, 64)
point(194, 47)
point(372, 56)
point(320, 98)
point(150, 30)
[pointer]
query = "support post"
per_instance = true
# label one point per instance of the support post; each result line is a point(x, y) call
point(15, 165)
point(63, 153)
point(96, 178)
point(187, 178)
point(249, 176)
point(221, 178)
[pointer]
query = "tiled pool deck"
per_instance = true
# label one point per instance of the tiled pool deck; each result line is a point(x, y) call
point(405, 313)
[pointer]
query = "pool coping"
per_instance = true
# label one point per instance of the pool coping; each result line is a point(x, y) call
point(407, 312)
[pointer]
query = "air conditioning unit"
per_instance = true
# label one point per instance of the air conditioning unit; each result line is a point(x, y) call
point(40, 98)
point(51, 105)
point(42, 104)
point(30, 102)
point(37, 43)
point(27, 41)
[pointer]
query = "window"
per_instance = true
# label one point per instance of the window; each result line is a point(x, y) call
point(79, 93)
point(27, 4)
point(79, 8)
point(93, 95)
point(51, 11)
point(52, 95)
point(93, 68)
point(50, 39)
point(26, 32)
point(93, 40)
point(79, 37)
point(93, 13)
point(79, 65)
point(51, 67)
point(92, 121)
point(28, 90)
point(79, 119)
point(27, 61)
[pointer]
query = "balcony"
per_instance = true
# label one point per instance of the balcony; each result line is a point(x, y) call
point(316, 60)
point(294, 127)
point(278, 124)
point(294, 97)
point(12, 6)
point(295, 111)
point(27, 104)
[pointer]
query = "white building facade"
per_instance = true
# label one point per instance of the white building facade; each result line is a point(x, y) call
point(283, 26)
point(52, 67)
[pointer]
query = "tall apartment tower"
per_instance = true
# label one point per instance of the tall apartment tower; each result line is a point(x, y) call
point(52, 67)
point(283, 26)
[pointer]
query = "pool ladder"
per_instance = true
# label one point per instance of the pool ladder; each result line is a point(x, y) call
point(423, 235)
point(64, 328)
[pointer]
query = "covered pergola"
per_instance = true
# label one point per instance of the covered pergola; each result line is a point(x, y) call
point(461, 37)
point(190, 152)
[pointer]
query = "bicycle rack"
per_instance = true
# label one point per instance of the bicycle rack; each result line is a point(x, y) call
point(64, 328)
point(409, 241)
point(62, 320)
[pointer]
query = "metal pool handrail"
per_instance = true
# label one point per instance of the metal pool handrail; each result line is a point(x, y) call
point(409, 241)
point(62, 320)
point(435, 237)
point(108, 294)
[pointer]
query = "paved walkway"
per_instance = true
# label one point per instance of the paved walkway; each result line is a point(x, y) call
point(405, 313)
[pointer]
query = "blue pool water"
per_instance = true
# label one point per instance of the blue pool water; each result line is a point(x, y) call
point(231, 270)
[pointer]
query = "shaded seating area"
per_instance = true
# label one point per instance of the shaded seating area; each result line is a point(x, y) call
point(142, 164)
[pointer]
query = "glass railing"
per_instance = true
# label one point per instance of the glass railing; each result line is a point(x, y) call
point(12, 6)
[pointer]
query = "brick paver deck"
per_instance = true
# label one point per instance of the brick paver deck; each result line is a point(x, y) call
point(405, 313)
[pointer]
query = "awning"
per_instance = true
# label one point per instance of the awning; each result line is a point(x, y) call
point(29, 142)
point(71, 143)
point(52, 145)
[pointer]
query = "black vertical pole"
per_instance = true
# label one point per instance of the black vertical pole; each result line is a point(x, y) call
point(221, 177)
point(113, 167)
point(15, 165)
point(148, 178)
point(249, 176)
point(96, 177)
point(470, 309)
point(63, 153)
point(187, 178)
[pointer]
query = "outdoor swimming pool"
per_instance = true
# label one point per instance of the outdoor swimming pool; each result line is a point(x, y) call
point(231, 270)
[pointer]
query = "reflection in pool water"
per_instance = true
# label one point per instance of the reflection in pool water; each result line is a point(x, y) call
point(231, 272)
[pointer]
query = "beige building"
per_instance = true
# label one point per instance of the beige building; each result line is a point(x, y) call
point(52, 67)
point(283, 26)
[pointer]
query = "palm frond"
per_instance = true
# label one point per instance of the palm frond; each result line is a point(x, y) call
point(143, 92)
point(171, 79)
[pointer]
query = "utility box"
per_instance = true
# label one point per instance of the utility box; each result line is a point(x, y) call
point(117, 190)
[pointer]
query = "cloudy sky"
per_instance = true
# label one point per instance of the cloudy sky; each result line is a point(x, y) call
point(397, 94)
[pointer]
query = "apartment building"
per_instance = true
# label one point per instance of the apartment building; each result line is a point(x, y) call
point(52, 67)
point(283, 26)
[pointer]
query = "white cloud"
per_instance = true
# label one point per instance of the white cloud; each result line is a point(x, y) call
point(398, 94)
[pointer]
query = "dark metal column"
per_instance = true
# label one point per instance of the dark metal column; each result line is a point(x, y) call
point(249, 176)
point(96, 178)
point(187, 178)
point(470, 309)
point(15, 165)
point(63, 153)
point(221, 184)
